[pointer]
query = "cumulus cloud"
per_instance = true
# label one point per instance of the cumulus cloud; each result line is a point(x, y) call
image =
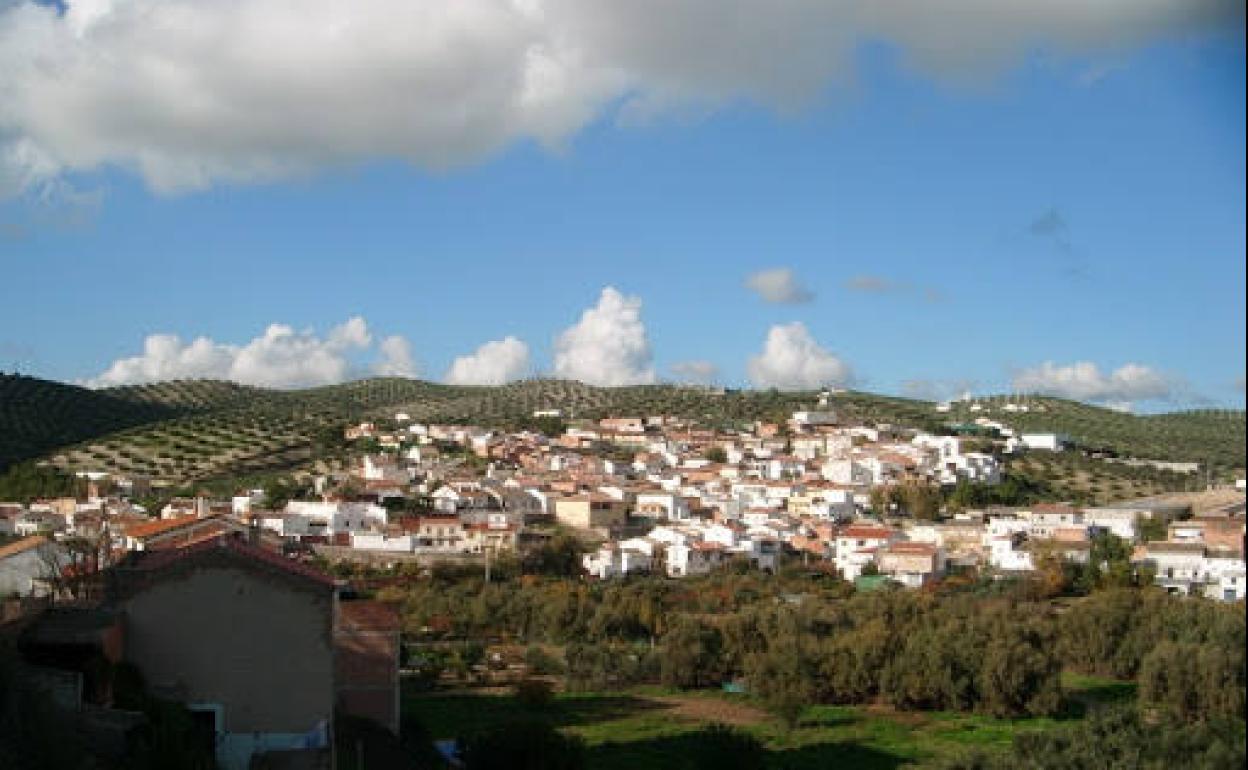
point(608, 346)
point(778, 286)
point(793, 360)
point(279, 358)
point(396, 358)
point(697, 372)
point(494, 363)
point(1084, 381)
point(188, 93)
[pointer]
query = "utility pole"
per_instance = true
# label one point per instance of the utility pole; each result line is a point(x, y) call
point(486, 550)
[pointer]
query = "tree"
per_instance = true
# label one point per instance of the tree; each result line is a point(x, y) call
point(691, 654)
point(1194, 682)
point(920, 499)
point(782, 679)
point(716, 454)
point(558, 557)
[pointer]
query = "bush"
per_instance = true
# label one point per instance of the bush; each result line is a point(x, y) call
point(541, 662)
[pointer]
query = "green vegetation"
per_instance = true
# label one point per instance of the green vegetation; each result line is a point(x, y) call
point(26, 481)
point(1207, 436)
point(661, 728)
point(37, 416)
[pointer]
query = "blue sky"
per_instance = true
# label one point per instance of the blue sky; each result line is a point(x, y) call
point(956, 231)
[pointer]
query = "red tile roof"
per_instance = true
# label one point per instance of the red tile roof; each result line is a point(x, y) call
point(866, 533)
point(159, 526)
point(155, 560)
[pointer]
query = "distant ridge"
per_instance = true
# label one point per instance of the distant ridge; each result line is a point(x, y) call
point(186, 430)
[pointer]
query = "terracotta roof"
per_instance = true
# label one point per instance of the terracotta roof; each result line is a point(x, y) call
point(159, 526)
point(925, 549)
point(1166, 547)
point(22, 546)
point(1053, 508)
point(156, 560)
point(877, 533)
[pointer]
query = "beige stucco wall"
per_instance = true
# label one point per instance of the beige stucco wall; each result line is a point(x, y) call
point(248, 641)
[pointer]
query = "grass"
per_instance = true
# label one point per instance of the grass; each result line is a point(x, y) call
point(651, 727)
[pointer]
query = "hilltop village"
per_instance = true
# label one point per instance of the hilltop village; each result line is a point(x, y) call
point(662, 495)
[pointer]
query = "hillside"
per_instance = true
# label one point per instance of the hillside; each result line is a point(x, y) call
point(39, 415)
point(185, 394)
point(1213, 437)
point(198, 429)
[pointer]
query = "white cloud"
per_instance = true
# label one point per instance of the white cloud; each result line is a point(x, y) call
point(696, 372)
point(1084, 381)
point(494, 363)
point(189, 93)
point(279, 358)
point(396, 358)
point(793, 360)
point(608, 346)
point(779, 286)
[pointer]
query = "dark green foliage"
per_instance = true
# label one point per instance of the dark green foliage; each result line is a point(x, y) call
point(558, 557)
point(782, 679)
point(37, 416)
point(1014, 489)
point(1116, 739)
point(27, 481)
point(1119, 739)
point(609, 666)
point(524, 745)
point(692, 654)
point(1193, 682)
point(995, 648)
point(1111, 632)
point(541, 662)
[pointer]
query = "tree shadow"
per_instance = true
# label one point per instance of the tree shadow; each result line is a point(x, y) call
point(1077, 703)
point(834, 755)
point(679, 752)
point(464, 713)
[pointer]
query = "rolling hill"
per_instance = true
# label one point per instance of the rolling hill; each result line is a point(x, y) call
point(192, 430)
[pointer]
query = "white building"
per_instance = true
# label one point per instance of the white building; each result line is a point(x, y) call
point(1048, 442)
point(331, 518)
point(695, 558)
point(617, 560)
point(661, 505)
point(379, 541)
point(856, 546)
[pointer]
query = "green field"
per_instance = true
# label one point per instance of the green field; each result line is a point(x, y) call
point(650, 727)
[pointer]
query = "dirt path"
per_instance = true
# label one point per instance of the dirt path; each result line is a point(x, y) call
point(711, 710)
